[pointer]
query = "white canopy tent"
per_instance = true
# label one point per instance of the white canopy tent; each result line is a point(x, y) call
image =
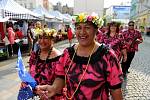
point(59, 16)
point(15, 11)
point(69, 17)
point(4, 19)
point(44, 13)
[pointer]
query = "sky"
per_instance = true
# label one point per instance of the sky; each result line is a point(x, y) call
point(70, 3)
point(107, 3)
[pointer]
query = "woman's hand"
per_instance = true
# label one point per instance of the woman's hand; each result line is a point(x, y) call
point(124, 59)
point(45, 91)
point(23, 85)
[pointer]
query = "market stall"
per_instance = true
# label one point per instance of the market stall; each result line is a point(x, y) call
point(10, 8)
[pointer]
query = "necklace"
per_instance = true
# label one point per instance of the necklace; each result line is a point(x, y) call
point(37, 59)
point(65, 88)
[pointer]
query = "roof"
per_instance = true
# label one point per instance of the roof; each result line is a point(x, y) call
point(13, 9)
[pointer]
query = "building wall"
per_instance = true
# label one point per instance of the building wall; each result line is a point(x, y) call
point(29, 4)
point(109, 14)
point(89, 6)
point(144, 13)
point(58, 6)
point(50, 6)
point(32, 4)
point(141, 15)
point(66, 9)
point(118, 13)
point(134, 9)
point(63, 9)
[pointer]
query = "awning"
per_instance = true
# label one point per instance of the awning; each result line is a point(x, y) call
point(68, 17)
point(43, 12)
point(4, 19)
point(15, 11)
point(59, 15)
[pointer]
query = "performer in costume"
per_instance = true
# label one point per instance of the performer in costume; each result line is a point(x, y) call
point(42, 63)
point(115, 40)
point(133, 38)
point(87, 70)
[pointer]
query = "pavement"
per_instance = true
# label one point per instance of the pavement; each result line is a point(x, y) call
point(135, 86)
point(9, 80)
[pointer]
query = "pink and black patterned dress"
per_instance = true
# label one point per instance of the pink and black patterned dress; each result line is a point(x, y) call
point(103, 73)
point(43, 71)
point(117, 43)
point(131, 37)
point(99, 35)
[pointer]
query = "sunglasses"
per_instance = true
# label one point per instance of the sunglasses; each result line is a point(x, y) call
point(131, 25)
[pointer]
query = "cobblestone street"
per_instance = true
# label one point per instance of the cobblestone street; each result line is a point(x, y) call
point(137, 84)
point(135, 87)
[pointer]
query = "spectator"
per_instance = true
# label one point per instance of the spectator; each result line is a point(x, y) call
point(30, 37)
point(70, 35)
point(11, 38)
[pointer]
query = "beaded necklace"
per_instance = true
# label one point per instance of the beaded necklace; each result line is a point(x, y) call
point(38, 57)
point(65, 88)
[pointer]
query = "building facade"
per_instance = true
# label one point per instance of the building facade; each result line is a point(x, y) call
point(32, 4)
point(118, 13)
point(89, 6)
point(63, 8)
point(66, 9)
point(140, 12)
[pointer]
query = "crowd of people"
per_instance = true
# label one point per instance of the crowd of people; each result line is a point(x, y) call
point(92, 69)
point(15, 37)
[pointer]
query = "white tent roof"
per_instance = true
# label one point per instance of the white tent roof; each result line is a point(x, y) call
point(61, 16)
point(4, 19)
point(10, 7)
point(43, 12)
point(69, 17)
point(58, 15)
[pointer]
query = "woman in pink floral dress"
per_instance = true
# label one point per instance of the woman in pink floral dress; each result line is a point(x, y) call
point(115, 40)
point(87, 70)
point(42, 63)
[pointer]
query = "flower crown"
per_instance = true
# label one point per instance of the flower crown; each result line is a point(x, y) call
point(48, 32)
point(82, 18)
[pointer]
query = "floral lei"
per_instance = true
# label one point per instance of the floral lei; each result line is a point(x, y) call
point(81, 18)
point(47, 31)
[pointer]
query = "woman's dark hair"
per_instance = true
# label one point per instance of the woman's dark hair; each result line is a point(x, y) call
point(9, 24)
point(131, 22)
point(113, 24)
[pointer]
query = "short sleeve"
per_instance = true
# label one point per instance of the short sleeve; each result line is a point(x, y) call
point(60, 66)
point(32, 60)
point(123, 43)
point(114, 71)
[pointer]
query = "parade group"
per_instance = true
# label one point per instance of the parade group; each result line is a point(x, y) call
point(94, 68)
